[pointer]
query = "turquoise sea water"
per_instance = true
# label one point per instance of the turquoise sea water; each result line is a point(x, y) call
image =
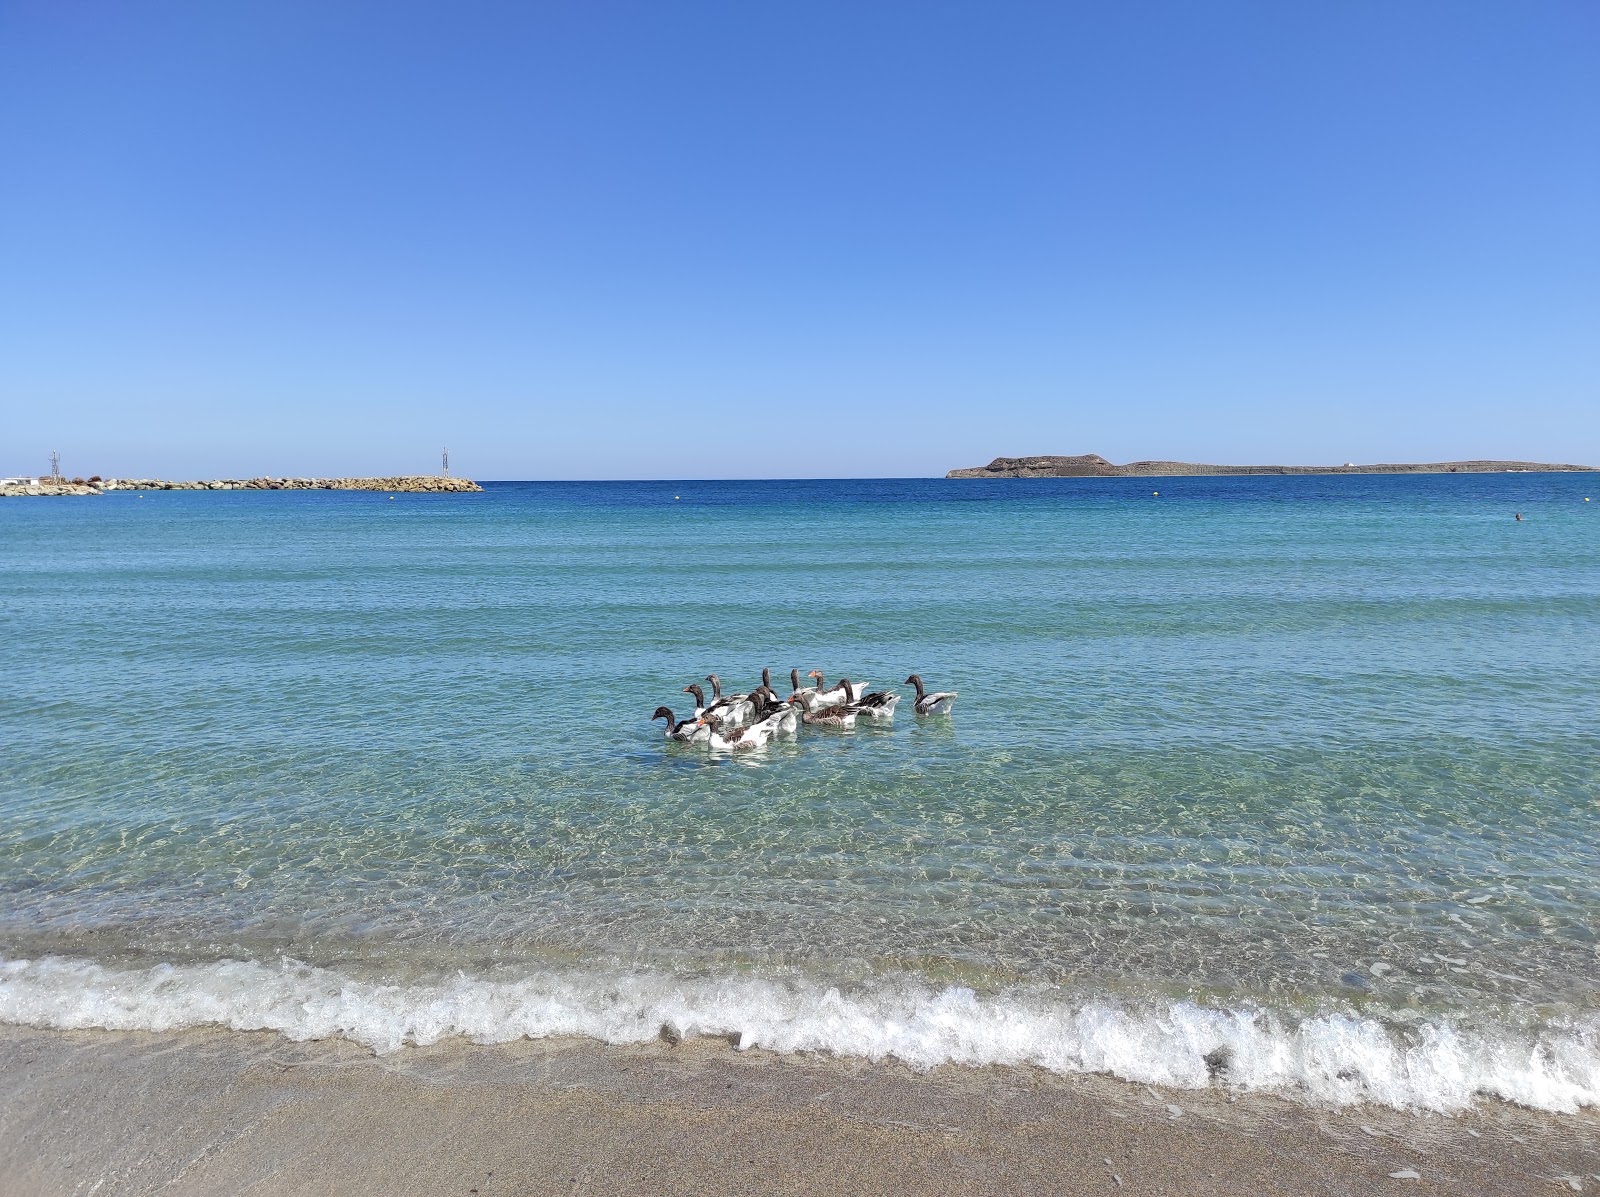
point(1282, 782)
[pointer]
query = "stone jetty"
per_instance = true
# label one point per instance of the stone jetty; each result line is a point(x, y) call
point(410, 483)
point(20, 488)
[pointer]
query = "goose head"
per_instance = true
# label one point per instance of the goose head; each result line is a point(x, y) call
point(915, 680)
point(699, 694)
point(794, 679)
point(665, 713)
point(716, 685)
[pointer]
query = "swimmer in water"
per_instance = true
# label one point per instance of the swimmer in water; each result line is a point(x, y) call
point(1519, 517)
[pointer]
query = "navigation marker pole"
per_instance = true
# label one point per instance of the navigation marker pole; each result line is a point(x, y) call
point(55, 465)
point(447, 463)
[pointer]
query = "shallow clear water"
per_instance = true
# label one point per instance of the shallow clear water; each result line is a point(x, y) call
point(1284, 749)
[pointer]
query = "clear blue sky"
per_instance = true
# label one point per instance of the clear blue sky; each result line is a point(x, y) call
point(589, 240)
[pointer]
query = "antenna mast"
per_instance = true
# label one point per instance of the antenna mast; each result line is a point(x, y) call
point(55, 465)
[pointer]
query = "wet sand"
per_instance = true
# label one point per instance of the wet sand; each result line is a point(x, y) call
point(202, 1112)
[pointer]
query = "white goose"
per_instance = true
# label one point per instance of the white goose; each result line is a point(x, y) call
point(685, 731)
point(879, 706)
point(742, 709)
point(844, 693)
point(784, 713)
point(742, 739)
point(736, 714)
point(931, 704)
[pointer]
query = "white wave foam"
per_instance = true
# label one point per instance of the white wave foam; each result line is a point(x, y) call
point(1337, 1058)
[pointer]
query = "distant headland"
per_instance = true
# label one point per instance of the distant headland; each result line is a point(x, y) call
point(1092, 465)
point(413, 483)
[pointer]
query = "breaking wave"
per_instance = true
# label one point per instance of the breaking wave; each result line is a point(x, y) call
point(1340, 1058)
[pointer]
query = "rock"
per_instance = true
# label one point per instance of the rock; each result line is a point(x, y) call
point(1086, 465)
point(45, 489)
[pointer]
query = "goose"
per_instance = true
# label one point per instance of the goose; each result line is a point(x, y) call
point(769, 708)
point(699, 699)
point(931, 704)
point(806, 694)
point(878, 706)
point(764, 704)
point(844, 693)
point(839, 716)
point(687, 731)
point(740, 739)
point(734, 713)
point(736, 701)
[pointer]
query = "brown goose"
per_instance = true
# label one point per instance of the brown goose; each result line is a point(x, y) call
point(841, 715)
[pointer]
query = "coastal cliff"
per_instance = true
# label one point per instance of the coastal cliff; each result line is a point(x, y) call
point(410, 483)
point(1092, 465)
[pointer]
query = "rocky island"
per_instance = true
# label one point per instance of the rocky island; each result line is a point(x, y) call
point(1092, 465)
point(412, 483)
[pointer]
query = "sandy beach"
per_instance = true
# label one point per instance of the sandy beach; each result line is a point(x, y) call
point(204, 1112)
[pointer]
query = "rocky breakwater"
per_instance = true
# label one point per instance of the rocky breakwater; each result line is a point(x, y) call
point(410, 483)
point(44, 488)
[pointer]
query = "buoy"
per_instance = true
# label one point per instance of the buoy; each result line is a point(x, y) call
point(391, 498)
point(675, 499)
point(1156, 492)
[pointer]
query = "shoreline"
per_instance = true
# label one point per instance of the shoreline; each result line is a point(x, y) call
point(211, 1111)
point(1334, 1057)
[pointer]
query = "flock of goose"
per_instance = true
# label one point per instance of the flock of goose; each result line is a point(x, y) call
point(741, 722)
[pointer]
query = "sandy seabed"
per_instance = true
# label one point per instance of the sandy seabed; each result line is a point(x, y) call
point(220, 1112)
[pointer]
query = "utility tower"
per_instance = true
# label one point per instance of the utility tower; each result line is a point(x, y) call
point(447, 463)
point(55, 465)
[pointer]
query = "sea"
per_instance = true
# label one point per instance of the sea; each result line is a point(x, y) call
point(1285, 784)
